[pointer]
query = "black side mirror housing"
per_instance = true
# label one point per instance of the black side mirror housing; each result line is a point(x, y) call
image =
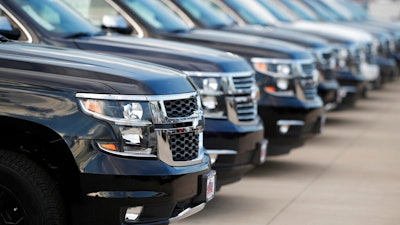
point(116, 24)
point(7, 30)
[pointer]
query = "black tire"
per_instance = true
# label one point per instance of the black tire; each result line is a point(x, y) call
point(28, 195)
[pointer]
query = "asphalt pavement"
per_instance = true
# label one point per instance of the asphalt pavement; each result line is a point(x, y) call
point(348, 175)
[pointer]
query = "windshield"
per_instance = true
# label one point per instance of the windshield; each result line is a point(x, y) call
point(56, 17)
point(157, 15)
point(356, 9)
point(301, 10)
point(331, 7)
point(252, 12)
point(207, 12)
point(322, 12)
point(276, 9)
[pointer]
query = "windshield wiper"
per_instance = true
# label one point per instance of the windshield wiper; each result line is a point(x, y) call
point(79, 34)
point(220, 26)
point(176, 31)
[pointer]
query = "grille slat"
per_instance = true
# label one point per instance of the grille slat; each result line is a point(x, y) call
point(307, 69)
point(243, 82)
point(307, 84)
point(181, 107)
point(246, 111)
point(184, 146)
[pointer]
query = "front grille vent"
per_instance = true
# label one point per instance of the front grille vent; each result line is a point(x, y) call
point(181, 107)
point(310, 92)
point(243, 82)
point(184, 146)
point(247, 111)
point(307, 69)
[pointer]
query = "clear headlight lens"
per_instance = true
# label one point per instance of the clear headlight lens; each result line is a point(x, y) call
point(342, 56)
point(283, 69)
point(273, 69)
point(210, 84)
point(281, 72)
point(131, 119)
point(212, 95)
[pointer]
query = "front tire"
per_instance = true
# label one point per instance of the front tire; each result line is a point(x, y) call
point(28, 195)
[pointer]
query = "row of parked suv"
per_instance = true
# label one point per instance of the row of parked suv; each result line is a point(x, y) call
point(139, 111)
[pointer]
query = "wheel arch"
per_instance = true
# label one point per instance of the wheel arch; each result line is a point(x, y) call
point(45, 147)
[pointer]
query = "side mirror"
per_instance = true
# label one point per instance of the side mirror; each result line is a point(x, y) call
point(7, 30)
point(116, 23)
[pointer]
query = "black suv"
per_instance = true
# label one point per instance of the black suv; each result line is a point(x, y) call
point(234, 133)
point(289, 103)
point(207, 14)
point(93, 139)
point(353, 50)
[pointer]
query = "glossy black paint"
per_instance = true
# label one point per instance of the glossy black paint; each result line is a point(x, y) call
point(344, 77)
point(175, 55)
point(247, 46)
point(328, 86)
point(37, 88)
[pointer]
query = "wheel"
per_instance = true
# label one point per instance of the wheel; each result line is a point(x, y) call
point(28, 195)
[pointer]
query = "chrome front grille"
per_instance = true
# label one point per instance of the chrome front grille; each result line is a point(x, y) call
point(240, 94)
point(184, 146)
point(181, 107)
point(307, 82)
point(246, 111)
point(179, 129)
point(310, 91)
point(307, 69)
point(243, 82)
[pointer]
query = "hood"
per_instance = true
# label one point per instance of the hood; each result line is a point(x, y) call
point(306, 40)
point(333, 30)
point(79, 71)
point(244, 45)
point(172, 54)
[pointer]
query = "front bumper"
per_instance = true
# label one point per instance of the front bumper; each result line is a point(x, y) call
point(111, 185)
point(329, 93)
point(234, 149)
point(289, 122)
point(352, 87)
point(388, 69)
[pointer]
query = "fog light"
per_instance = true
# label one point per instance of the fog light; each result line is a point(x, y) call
point(132, 213)
point(282, 84)
point(284, 129)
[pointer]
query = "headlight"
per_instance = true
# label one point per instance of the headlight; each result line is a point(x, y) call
point(342, 57)
point(375, 46)
point(211, 91)
point(131, 119)
point(342, 54)
point(283, 70)
point(210, 85)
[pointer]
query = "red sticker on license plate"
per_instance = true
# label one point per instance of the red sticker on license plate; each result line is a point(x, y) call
point(210, 185)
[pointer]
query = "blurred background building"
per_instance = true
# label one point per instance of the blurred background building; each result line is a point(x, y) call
point(384, 9)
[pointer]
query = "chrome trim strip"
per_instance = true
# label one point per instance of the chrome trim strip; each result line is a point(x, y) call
point(290, 122)
point(221, 152)
point(286, 61)
point(136, 97)
point(218, 74)
point(188, 212)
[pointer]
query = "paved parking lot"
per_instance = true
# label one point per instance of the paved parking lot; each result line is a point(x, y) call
point(349, 175)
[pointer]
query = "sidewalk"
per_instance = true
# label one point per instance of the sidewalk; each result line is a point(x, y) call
point(349, 175)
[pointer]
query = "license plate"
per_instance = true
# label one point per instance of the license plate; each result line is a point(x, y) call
point(210, 193)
